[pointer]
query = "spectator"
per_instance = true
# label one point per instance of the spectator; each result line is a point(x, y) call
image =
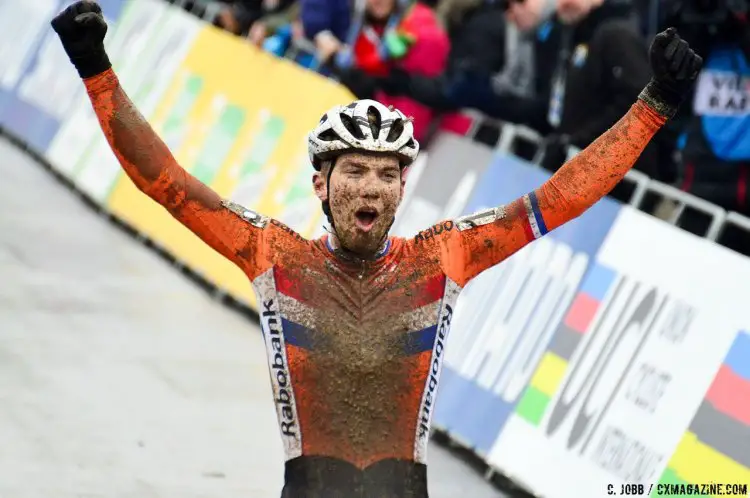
point(589, 64)
point(388, 35)
point(520, 92)
point(256, 18)
point(327, 23)
point(526, 101)
point(715, 151)
point(477, 31)
point(601, 67)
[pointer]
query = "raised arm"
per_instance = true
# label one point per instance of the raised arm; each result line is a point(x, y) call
point(485, 239)
point(152, 168)
point(142, 154)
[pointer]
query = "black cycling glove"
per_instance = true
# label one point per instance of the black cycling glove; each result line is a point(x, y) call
point(81, 28)
point(675, 66)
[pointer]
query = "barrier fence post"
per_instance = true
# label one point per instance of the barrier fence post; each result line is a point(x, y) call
point(684, 200)
point(739, 220)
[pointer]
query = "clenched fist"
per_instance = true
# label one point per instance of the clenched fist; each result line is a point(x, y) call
point(675, 67)
point(81, 28)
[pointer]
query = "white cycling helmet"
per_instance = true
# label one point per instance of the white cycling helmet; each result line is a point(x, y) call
point(363, 125)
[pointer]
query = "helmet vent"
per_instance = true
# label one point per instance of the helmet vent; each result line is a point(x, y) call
point(328, 135)
point(352, 127)
point(397, 128)
point(374, 120)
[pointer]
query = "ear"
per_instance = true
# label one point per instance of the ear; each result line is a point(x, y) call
point(320, 187)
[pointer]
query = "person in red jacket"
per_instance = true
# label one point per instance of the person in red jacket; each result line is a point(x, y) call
point(356, 322)
point(394, 33)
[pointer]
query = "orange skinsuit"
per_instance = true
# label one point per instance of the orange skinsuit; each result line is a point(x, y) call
point(355, 348)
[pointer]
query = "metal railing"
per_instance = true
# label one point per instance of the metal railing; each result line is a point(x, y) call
point(667, 202)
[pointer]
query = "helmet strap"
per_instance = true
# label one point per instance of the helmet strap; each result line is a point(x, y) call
point(327, 203)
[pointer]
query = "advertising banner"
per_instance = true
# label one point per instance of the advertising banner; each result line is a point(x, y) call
point(650, 357)
point(505, 317)
point(38, 84)
point(716, 445)
point(236, 119)
point(440, 187)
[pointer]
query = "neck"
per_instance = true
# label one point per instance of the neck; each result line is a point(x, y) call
point(344, 253)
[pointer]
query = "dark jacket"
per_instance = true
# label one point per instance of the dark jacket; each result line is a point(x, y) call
point(326, 15)
point(604, 63)
point(532, 110)
point(601, 68)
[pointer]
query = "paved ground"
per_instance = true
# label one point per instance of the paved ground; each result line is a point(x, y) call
point(121, 378)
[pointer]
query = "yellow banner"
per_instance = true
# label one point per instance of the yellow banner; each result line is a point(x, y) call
point(237, 119)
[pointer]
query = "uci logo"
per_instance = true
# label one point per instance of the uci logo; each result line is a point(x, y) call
point(608, 366)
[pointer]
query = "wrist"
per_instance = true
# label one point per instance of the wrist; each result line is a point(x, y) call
point(661, 99)
point(91, 64)
point(101, 83)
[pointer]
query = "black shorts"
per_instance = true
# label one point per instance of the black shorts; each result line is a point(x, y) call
point(326, 477)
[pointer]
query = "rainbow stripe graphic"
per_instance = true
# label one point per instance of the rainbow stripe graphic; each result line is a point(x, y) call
point(568, 336)
point(716, 446)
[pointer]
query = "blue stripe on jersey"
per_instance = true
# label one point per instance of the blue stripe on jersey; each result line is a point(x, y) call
point(298, 335)
point(537, 213)
point(420, 341)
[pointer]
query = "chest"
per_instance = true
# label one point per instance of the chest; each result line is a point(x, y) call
point(371, 314)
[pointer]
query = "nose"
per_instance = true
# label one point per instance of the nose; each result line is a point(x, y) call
point(370, 188)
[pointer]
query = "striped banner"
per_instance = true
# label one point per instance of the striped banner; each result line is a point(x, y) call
point(716, 446)
point(551, 370)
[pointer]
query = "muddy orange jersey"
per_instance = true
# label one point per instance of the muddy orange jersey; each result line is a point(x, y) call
point(355, 348)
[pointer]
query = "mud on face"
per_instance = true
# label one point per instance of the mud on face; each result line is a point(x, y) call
point(365, 191)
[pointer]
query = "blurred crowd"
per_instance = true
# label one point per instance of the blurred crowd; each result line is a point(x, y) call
point(567, 69)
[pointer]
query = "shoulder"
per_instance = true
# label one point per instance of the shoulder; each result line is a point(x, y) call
point(447, 230)
point(253, 218)
point(435, 233)
point(272, 228)
point(423, 20)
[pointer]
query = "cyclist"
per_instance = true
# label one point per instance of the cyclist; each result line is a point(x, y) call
point(356, 322)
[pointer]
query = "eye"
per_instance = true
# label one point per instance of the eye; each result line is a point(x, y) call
point(353, 172)
point(390, 175)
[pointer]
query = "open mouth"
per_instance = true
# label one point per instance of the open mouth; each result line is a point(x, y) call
point(365, 218)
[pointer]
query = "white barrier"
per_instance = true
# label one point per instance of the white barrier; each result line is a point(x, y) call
point(606, 353)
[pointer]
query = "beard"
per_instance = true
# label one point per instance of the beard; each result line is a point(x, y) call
point(361, 228)
point(363, 243)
